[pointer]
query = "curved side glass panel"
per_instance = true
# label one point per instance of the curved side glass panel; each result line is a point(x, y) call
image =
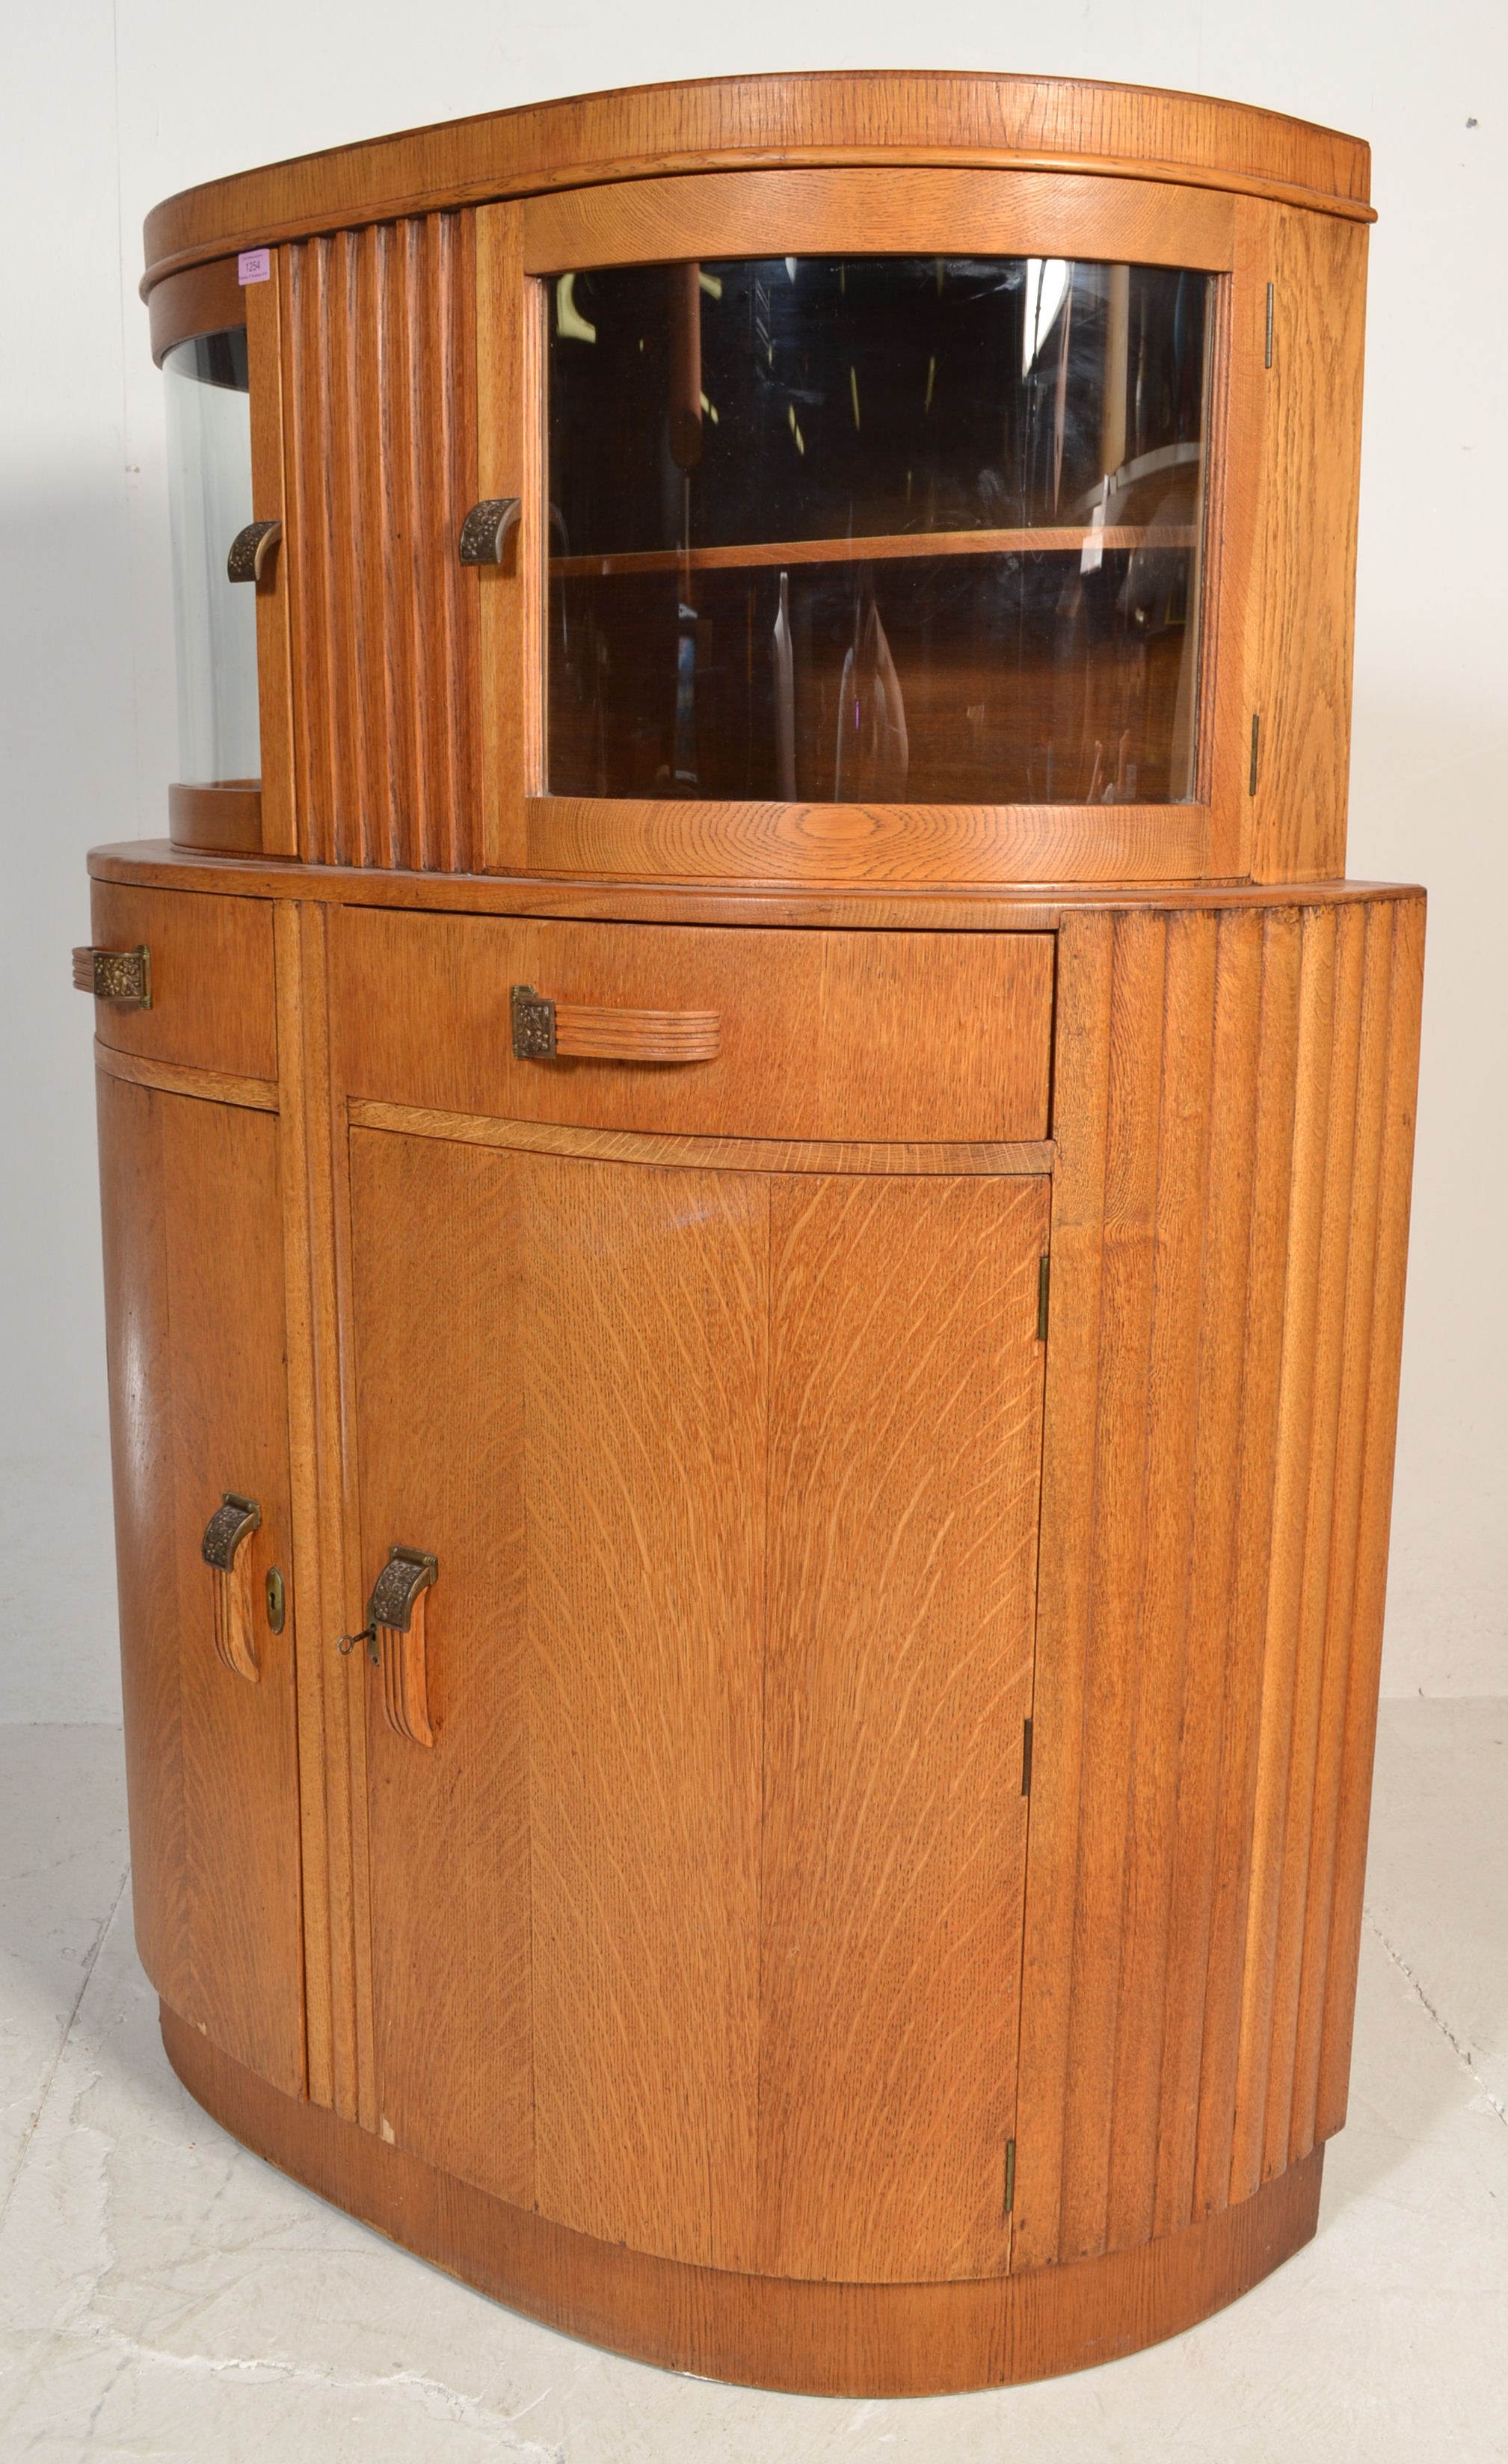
point(209, 500)
point(878, 528)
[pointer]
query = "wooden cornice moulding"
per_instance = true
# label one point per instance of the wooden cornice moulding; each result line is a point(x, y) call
point(841, 117)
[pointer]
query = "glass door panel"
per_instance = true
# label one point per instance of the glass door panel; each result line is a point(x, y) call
point(877, 529)
point(209, 501)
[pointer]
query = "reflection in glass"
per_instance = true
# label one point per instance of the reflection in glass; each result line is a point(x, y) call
point(875, 529)
point(210, 499)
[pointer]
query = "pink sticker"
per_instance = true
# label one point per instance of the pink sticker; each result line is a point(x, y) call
point(254, 265)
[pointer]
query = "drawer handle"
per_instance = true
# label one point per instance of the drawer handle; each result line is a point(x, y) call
point(122, 976)
point(394, 1637)
point(551, 1030)
point(225, 1552)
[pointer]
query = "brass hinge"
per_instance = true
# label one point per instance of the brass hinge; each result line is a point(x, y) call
point(1010, 2176)
point(1268, 360)
point(1043, 1267)
point(1025, 1757)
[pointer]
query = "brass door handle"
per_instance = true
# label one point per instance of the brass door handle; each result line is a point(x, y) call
point(394, 1639)
point(550, 1030)
point(485, 530)
point(225, 1552)
point(124, 975)
point(250, 550)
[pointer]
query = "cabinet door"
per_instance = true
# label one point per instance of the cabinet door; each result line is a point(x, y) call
point(703, 1910)
point(195, 1318)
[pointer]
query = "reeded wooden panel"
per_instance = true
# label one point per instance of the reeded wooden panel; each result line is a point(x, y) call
point(193, 1284)
point(380, 452)
point(435, 1242)
point(1235, 1108)
point(646, 1307)
point(904, 1451)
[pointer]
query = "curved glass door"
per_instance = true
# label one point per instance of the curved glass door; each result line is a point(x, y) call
point(877, 529)
point(209, 501)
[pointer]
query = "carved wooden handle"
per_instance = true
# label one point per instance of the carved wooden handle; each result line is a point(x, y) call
point(394, 1641)
point(225, 1552)
point(549, 1030)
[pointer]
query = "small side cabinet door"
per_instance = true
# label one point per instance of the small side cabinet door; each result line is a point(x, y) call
point(194, 1313)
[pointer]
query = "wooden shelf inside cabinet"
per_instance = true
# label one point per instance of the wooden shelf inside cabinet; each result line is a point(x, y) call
point(879, 549)
point(860, 1230)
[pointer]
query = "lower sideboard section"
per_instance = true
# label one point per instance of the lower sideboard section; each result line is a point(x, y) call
point(805, 2337)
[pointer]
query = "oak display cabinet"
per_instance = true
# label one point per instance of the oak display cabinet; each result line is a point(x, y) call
point(754, 1169)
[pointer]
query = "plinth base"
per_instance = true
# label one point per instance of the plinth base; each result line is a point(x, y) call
point(811, 2339)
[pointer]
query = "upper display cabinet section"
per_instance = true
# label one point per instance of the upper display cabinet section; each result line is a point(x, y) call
point(934, 480)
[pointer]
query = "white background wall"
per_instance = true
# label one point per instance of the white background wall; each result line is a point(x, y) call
point(105, 109)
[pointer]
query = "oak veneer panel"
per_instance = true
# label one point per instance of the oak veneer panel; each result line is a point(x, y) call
point(512, 348)
point(880, 214)
point(824, 1035)
point(702, 1155)
point(439, 1416)
point(1390, 1051)
point(646, 1346)
point(213, 999)
point(379, 392)
point(872, 116)
point(276, 817)
point(851, 2340)
point(959, 907)
point(904, 1452)
point(195, 1333)
point(1299, 624)
point(1232, 1117)
point(139, 1359)
point(872, 842)
point(202, 299)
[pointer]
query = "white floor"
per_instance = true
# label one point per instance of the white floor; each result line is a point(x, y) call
point(163, 2295)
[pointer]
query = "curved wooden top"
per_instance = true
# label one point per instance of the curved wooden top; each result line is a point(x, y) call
point(869, 115)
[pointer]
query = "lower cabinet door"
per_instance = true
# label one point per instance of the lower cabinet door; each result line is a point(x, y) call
point(698, 1924)
point(194, 1312)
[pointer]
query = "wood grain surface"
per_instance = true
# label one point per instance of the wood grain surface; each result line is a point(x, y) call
point(645, 1330)
point(858, 117)
point(379, 409)
point(212, 1002)
point(872, 842)
point(276, 813)
point(195, 1333)
point(1298, 628)
point(224, 820)
point(439, 1414)
point(958, 907)
point(209, 1086)
point(876, 213)
point(711, 1155)
point(865, 1036)
point(510, 454)
point(864, 2341)
point(1232, 1112)
point(902, 1551)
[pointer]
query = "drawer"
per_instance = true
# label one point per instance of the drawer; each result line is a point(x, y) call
point(214, 1005)
point(821, 1034)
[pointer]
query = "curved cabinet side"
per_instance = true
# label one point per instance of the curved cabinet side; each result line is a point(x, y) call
point(1235, 1126)
point(194, 1331)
